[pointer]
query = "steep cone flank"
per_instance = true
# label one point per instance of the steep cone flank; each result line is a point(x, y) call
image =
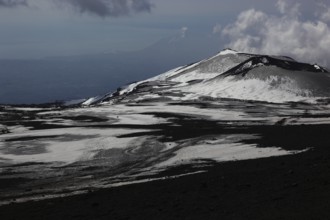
point(231, 74)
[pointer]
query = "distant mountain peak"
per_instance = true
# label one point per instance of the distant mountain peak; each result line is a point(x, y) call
point(231, 74)
point(227, 51)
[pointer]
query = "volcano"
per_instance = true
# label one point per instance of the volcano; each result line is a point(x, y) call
point(234, 136)
point(231, 74)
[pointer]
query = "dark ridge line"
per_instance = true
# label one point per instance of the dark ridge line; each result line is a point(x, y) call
point(271, 61)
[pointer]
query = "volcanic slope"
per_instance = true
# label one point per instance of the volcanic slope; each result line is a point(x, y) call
point(234, 75)
point(219, 112)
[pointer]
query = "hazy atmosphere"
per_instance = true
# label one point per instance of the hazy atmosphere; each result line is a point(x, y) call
point(70, 49)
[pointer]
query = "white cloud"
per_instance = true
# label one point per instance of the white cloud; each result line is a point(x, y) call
point(286, 34)
point(183, 32)
point(289, 7)
point(282, 6)
point(325, 12)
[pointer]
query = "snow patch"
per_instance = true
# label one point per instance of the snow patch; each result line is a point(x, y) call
point(227, 51)
point(222, 150)
point(273, 89)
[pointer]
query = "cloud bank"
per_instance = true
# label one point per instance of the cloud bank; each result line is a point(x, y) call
point(284, 33)
point(102, 8)
point(112, 8)
point(12, 3)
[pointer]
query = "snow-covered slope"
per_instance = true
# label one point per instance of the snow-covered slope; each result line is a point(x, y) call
point(121, 141)
point(231, 74)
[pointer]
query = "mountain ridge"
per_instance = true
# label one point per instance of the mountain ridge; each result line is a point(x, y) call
point(228, 74)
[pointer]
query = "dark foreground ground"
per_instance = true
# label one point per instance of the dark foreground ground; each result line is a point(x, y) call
point(289, 187)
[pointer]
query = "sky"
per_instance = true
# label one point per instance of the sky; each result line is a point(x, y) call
point(41, 28)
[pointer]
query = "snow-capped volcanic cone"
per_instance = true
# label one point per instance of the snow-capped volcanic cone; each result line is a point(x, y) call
point(231, 74)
